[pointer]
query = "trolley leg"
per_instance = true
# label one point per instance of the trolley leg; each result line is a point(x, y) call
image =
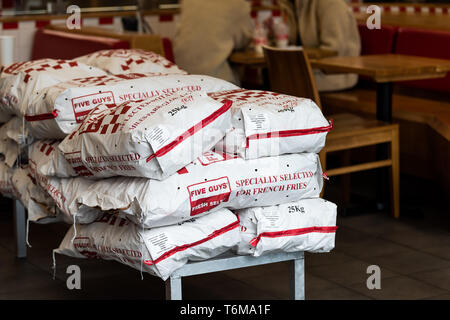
point(20, 229)
point(297, 279)
point(173, 288)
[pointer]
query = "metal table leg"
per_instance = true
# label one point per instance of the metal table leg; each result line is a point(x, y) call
point(20, 229)
point(297, 279)
point(384, 113)
point(173, 288)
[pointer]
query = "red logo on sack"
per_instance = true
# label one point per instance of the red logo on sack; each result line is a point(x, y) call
point(209, 194)
point(84, 104)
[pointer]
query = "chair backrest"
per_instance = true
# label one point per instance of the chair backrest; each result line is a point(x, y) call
point(290, 73)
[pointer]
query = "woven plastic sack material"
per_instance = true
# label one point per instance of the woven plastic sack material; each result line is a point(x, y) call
point(304, 225)
point(159, 251)
point(8, 147)
point(49, 160)
point(64, 192)
point(22, 81)
point(130, 60)
point(153, 138)
point(40, 206)
point(208, 184)
point(58, 110)
point(269, 124)
point(6, 186)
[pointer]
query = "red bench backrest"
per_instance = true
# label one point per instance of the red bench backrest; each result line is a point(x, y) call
point(65, 45)
point(377, 41)
point(425, 43)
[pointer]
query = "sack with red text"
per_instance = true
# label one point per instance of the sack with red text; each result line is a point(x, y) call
point(269, 124)
point(13, 141)
point(22, 81)
point(40, 206)
point(118, 61)
point(159, 251)
point(6, 187)
point(65, 192)
point(58, 110)
point(152, 138)
point(210, 183)
point(304, 225)
point(49, 160)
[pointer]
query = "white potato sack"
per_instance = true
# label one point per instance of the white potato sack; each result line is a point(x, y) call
point(64, 192)
point(22, 81)
point(210, 183)
point(49, 160)
point(304, 225)
point(10, 151)
point(68, 103)
point(40, 206)
point(118, 61)
point(158, 251)
point(9, 141)
point(152, 138)
point(268, 124)
point(16, 130)
point(6, 186)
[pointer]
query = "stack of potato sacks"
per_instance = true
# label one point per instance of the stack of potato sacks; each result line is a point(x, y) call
point(154, 167)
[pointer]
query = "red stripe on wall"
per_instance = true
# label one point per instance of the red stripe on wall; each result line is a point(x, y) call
point(166, 18)
point(7, 4)
point(41, 23)
point(10, 25)
point(106, 20)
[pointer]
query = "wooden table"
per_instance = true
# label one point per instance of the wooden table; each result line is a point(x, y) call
point(385, 69)
point(254, 58)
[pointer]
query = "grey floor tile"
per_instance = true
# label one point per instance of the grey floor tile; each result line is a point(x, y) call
point(410, 261)
point(370, 247)
point(258, 271)
point(439, 278)
point(418, 239)
point(442, 251)
point(347, 273)
point(440, 297)
point(400, 288)
point(325, 259)
point(336, 293)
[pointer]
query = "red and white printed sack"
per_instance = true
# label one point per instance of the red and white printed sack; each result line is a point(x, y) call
point(269, 124)
point(158, 251)
point(6, 186)
point(65, 192)
point(58, 110)
point(40, 206)
point(9, 146)
point(49, 160)
point(22, 81)
point(304, 225)
point(152, 138)
point(210, 183)
point(118, 61)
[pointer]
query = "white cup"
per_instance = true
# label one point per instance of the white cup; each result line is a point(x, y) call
point(6, 50)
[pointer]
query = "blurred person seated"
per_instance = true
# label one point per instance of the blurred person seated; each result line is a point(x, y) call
point(326, 24)
point(207, 33)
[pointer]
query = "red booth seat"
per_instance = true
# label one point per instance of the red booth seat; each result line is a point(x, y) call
point(377, 41)
point(425, 43)
point(65, 45)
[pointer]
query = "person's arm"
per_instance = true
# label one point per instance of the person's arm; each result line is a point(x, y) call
point(338, 29)
point(243, 25)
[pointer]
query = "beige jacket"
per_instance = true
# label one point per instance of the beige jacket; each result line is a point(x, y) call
point(207, 32)
point(327, 24)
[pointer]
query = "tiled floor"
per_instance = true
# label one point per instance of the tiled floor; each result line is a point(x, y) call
point(413, 254)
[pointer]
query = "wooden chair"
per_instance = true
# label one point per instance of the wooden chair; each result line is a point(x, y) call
point(290, 73)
